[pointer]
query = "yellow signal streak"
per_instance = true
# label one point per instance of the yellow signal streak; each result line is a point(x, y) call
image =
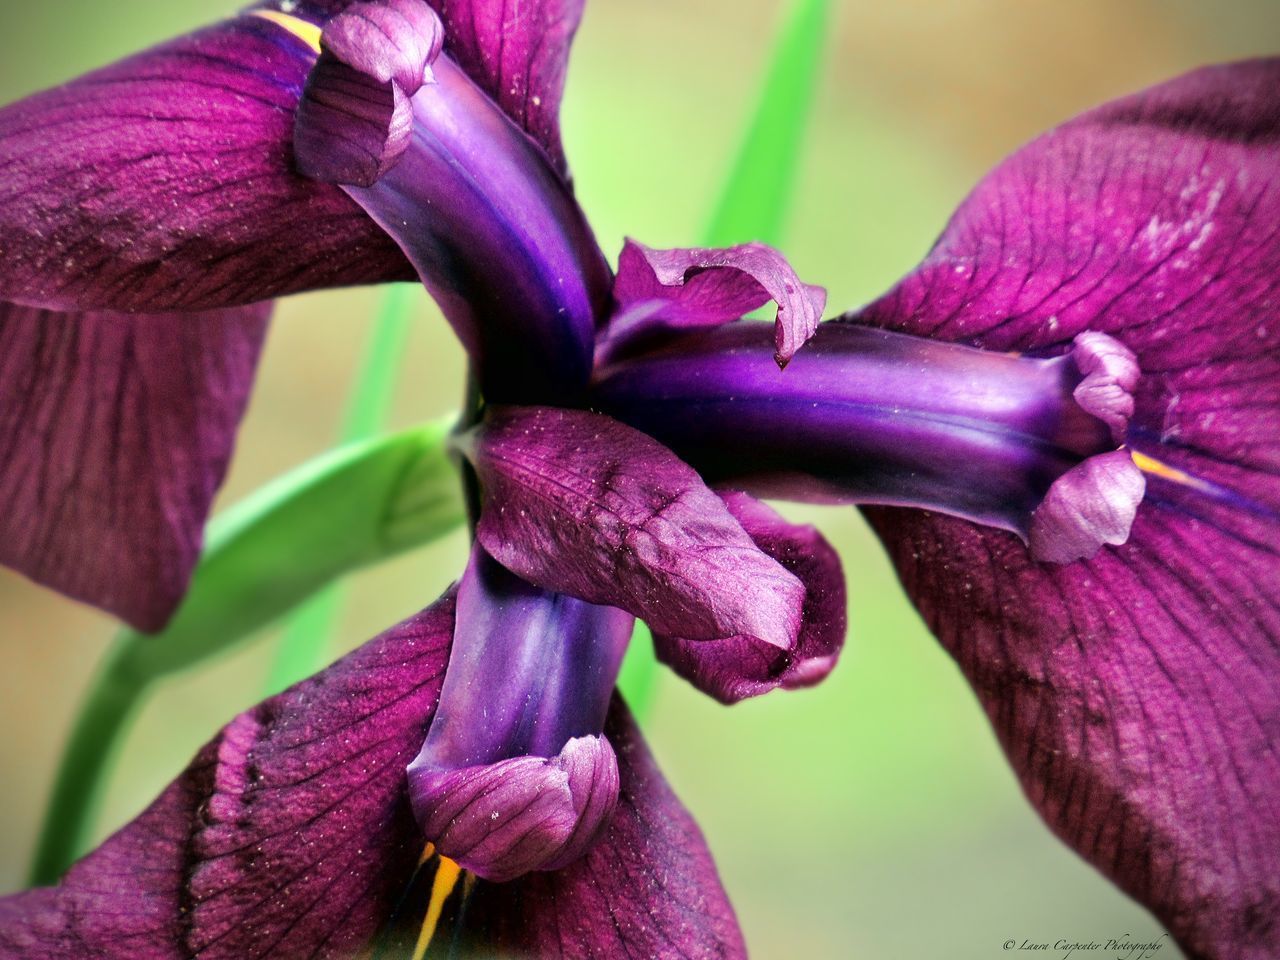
point(304, 30)
point(446, 879)
point(1159, 469)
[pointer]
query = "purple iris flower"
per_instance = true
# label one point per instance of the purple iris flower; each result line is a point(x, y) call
point(1074, 395)
point(332, 143)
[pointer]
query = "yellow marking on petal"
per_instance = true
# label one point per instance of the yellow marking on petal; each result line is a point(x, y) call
point(446, 879)
point(428, 852)
point(1159, 469)
point(304, 30)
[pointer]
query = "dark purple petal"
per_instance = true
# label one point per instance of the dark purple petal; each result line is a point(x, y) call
point(355, 120)
point(664, 290)
point(166, 182)
point(648, 888)
point(518, 53)
point(290, 835)
point(578, 503)
point(115, 433)
point(739, 667)
point(506, 819)
point(1137, 693)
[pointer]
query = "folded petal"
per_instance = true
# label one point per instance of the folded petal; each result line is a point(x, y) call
point(166, 181)
point(518, 52)
point(290, 835)
point(578, 503)
point(505, 819)
point(1137, 693)
point(115, 433)
point(658, 291)
point(739, 667)
point(648, 888)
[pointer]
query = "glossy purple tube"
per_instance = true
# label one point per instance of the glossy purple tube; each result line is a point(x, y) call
point(862, 416)
point(497, 238)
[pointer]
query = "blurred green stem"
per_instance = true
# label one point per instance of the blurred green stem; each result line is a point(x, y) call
point(304, 644)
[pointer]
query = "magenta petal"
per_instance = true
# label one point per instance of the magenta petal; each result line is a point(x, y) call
point(663, 290)
point(506, 819)
point(578, 503)
point(290, 834)
point(648, 888)
point(115, 433)
point(739, 667)
point(1137, 693)
point(166, 182)
point(517, 51)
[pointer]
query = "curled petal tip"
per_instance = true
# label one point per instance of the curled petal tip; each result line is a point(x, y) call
point(1090, 505)
point(505, 819)
point(355, 118)
point(1110, 372)
point(395, 41)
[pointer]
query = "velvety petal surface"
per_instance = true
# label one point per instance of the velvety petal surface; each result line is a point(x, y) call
point(289, 836)
point(1137, 693)
point(648, 888)
point(733, 669)
point(659, 291)
point(578, 503)
point(166, 181)
point(115, 433)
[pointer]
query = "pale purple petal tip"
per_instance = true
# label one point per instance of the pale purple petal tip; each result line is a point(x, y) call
point(506, 819)
point(394, 41)
point(578, 503)
point(739, 667)
point(665, 290)
point(355, 119)
point(1090, 505)
point(1111, 373)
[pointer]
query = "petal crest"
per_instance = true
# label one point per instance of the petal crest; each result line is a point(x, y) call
point(659, 291)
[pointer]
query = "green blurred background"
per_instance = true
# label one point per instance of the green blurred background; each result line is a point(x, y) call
point(873, 816)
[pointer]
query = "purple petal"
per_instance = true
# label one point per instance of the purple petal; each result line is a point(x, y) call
point(506, 819)
point(290, 835)
point(115, 433)
point(648, 888)
point(665, 290)
point(580, 504)
point(166, 181)
point(518, 53)
point(1137, 693)
point(739, 667)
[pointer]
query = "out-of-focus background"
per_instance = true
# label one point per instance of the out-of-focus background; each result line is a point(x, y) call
point(873, 816)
